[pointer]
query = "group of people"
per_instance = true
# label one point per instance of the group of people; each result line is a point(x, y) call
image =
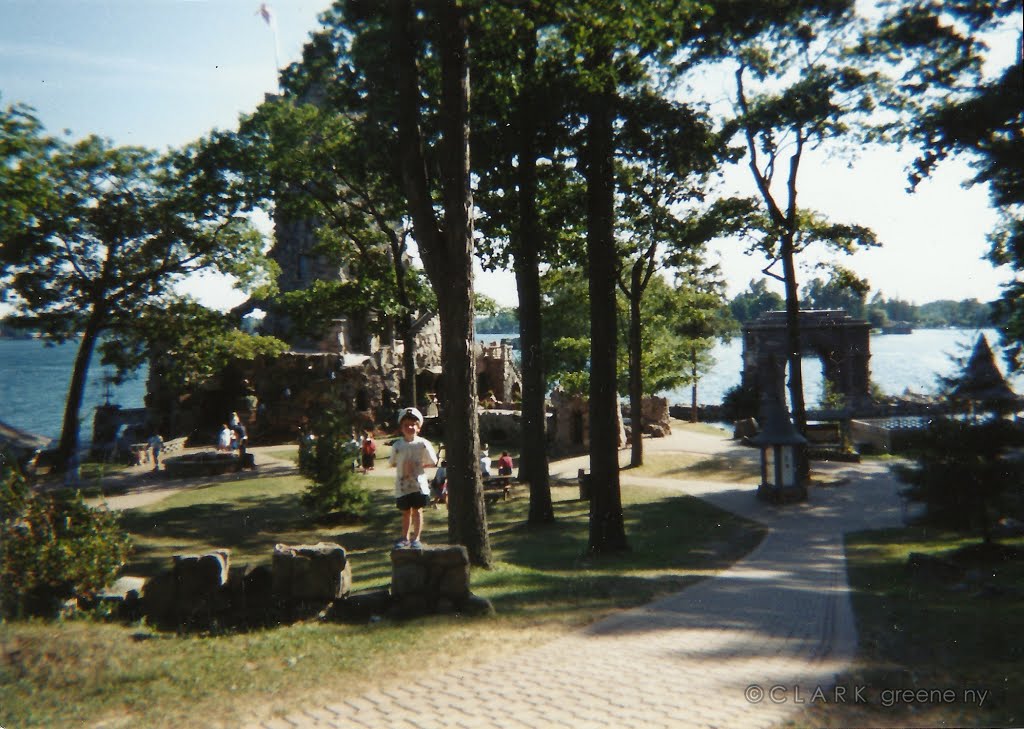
point(504, 465)
point(234, 437)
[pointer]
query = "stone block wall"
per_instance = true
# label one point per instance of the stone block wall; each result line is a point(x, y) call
point(202, 591)
point(317, 572)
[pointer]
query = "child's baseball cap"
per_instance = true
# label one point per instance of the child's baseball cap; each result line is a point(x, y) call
point(411, 413)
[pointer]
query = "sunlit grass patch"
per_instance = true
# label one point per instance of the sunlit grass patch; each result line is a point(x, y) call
point(698, 466)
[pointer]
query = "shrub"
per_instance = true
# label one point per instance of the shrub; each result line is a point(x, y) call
point(960, 473)
point(739, 403)
point(326, 455)
point(53, 547)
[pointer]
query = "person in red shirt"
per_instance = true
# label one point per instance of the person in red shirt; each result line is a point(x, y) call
point(505, 464)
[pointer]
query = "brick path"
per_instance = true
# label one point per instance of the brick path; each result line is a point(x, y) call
point(781, 617)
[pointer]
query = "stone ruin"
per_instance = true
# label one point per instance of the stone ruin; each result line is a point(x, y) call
point(203, 591)
point(569, 424)
point(839, 341)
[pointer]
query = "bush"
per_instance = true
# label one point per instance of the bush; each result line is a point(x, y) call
point(326, 456)
point(961, 475)
point(53, 547)
point(739, 403)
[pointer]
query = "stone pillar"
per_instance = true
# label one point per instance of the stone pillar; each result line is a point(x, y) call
point(433, 580)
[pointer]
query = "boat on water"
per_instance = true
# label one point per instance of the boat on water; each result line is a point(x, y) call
point(898, 327)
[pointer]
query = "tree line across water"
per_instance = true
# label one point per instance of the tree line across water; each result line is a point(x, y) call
point(751, 303)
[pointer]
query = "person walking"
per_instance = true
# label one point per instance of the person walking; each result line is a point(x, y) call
point(156, 444)
point(410, 454)
point(369, 451)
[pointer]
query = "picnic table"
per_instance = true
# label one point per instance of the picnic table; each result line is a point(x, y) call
point(498, 487)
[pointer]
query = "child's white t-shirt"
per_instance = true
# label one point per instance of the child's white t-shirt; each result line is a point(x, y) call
point(410, 459)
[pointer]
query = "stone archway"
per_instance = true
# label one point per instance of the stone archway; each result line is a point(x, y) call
point(840, 342)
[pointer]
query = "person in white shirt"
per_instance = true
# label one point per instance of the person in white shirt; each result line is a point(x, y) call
point(485, 462)
point(224, 438)
point(410, 454)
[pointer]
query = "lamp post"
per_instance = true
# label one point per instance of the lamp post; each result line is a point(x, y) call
point(782, 447)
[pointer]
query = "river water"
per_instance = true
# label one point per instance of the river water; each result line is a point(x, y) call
point(34, 377)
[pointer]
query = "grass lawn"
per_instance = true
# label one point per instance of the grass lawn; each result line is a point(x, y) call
point(697, 466)
point(86, 673)
point(931, 633)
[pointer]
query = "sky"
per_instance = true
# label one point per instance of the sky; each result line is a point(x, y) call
point(161, 73)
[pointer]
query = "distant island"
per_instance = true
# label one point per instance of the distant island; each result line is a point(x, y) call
point(8, 331)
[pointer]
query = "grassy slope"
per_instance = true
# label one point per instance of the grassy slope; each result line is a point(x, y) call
point(78, 672)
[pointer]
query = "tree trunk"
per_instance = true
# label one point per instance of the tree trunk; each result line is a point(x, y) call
point(409, 394)
point(796, 378)
point(69, 434)
point(636, 383)
point(607, 527)
point(533, 463)
point(447, 254)
point(693, 386)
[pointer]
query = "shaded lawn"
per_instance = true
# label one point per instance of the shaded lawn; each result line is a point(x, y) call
point(920, 632)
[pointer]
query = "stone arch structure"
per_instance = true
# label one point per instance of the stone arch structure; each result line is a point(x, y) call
point(841, 342)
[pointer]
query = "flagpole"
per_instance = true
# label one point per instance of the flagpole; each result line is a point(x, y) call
point(268, 17)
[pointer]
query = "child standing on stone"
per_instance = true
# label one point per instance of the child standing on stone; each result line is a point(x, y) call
point(410, 455)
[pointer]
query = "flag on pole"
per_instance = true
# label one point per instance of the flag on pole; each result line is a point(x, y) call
point(266, 13)
point(268, 17)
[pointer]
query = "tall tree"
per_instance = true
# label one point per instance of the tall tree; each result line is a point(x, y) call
point(702, 317)
point(527, 207)
point(312, 161)
point(103, 234)
point(445, 243)
point(675, 240)
point(843, 289)
point(955, 99)
point(781, 122)
point(755, 300)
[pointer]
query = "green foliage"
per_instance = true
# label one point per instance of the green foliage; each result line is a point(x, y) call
point(956, 100)
point(756, 300)
point(842, 290)
point(960, 473)
point(53, 547)
point(326, 456)
point(95, 236)
point(323, 157)
point(832, 397)
point(739, 403)
point(189, 344)
point(503, 320)
point(963, 314)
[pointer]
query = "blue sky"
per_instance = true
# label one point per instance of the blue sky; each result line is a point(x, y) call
point(161, 73)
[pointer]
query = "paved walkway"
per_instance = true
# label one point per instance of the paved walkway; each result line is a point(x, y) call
point(707, 656)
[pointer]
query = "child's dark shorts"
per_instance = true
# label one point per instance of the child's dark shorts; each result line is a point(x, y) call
point(414, 500)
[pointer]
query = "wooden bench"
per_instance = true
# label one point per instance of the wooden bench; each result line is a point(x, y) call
point(142, 453)
point(498, 487)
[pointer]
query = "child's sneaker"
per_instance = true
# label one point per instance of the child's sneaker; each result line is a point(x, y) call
point(415, 544)
point(402, 544)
